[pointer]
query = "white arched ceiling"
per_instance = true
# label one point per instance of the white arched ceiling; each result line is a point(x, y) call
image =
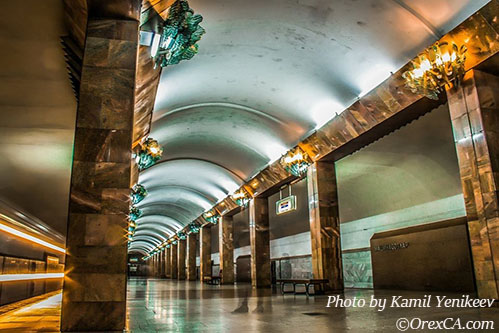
point(267, 74)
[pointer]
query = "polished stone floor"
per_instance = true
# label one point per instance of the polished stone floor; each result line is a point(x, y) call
point(156, 305)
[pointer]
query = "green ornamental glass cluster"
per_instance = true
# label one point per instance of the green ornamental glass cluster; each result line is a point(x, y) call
point(150, 152)
point(138, 194)
point(134, 214)
point(181, 235)
point(193, 227)
point(181, 32)
point(297, 169)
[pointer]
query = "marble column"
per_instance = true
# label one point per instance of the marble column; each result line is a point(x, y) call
point(325, 224)
point(154, 265)
point(94, 297)
point(474, 111)
point(226, 249)
point(191, 257)
point(168, 273)
point(205, 252)
point(161, 264)
point(165, 263)
point(182, 250)
point(174, 257)
point(260, 242)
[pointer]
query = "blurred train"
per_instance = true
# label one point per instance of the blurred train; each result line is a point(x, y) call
point(31, 256)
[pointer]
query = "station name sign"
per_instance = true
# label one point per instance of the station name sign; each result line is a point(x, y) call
point(285, 205)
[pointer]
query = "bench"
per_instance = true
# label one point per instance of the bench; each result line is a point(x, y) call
point(305, 282)
point(213, 280)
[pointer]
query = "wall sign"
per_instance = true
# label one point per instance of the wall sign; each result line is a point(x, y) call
point(391, 247)
point(285, 205)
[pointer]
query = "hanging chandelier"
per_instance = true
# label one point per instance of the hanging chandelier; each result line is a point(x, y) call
point(180, 34)
point(438, 67)
point(150, 152)
point(138, 194)
point(296, 162)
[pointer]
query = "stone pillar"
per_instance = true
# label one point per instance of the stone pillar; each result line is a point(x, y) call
point(260, 242)
point(94, 295)
point(205, 253)
point(474, 111)
point(182, 249)
point(161, 264)
point(169, 262)
point(226, 249)
point(325, 224)
point(174, 257)
point(191, 257)
point(155, 265)
point(165, 263)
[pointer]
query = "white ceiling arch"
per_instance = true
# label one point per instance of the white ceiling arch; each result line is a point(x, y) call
point(267, 74)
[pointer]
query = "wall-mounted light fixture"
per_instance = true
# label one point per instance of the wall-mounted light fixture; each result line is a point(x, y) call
point(180, 33)
point(193, 228)
point(150, 152)
point(134, 214)
point(241, 197)
point(138, 193)
point(181, 235)
point(296, 162)
point(211, 216)
point(438, 67)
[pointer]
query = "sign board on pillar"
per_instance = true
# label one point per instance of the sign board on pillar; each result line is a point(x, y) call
point(285, 205)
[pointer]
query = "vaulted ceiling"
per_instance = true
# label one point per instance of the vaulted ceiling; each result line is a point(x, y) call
point(269, 73)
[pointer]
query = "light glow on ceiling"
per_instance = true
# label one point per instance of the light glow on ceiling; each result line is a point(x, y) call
point(324, 111)
point(374, 76)
point(274, 151)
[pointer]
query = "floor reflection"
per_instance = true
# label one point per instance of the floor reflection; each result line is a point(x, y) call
point(156, 305)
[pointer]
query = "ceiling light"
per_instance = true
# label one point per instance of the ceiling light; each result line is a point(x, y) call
point(438, 67)
point(180, 33)
point(296, 162)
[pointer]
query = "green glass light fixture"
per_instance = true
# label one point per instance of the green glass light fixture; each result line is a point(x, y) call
point(296, 162)
point(138, 194)
point(150, 152)
point(180, 34)
point(211, 217)
point(193, 228)
point(181, 235)
point(242, 197)
point(134, 213)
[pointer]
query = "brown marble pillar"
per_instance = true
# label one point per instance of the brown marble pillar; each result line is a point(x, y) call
point(474, 111)
point(94, 296)
point(182, 250)
point(161, 264)
point(165, 263)
point(205, 252)
point(226, 249)
point(168, 273)
point(325, 224)
point(155, 265)
point(191, 257)
point(174, 257)
point(260, 242)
